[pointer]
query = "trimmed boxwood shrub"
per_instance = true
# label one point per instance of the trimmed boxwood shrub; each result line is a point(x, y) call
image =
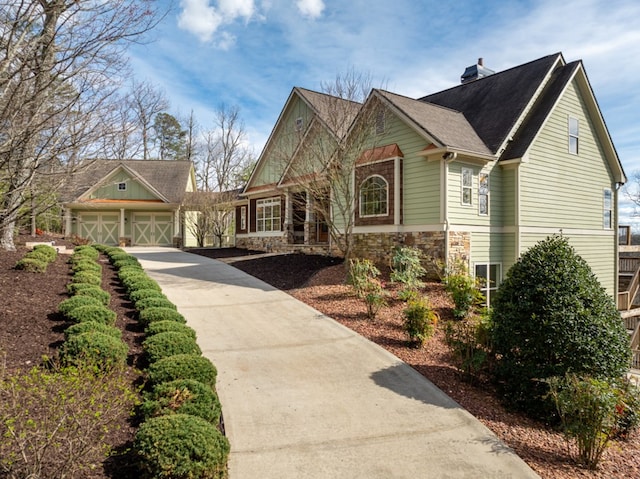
point(118, 255)
point(100, 248)
point(139, 294)
point(33, 265)
point(182, 366)
point(47, 251)
point(150, 315)
point(97, 313)
point(92, 326)
point(152, 302)
point(76, 301)
point(94, 348)
point(180, 446)
point(167, 344)
point(128, 271)
point(86, 251)
point(90, 277)
point(139, 282)
point(551, 316)
point(85, 264)
point(166, 326)
point(182, 396)
point(96, 292)
point(130, 261)
point(73, 288)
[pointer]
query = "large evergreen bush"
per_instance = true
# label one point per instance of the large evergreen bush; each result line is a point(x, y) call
point(551, 316)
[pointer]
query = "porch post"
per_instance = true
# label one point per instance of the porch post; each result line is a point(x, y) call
point(67, 222)
point(121, 234)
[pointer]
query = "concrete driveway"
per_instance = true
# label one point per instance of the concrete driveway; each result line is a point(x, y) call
point(304, 397)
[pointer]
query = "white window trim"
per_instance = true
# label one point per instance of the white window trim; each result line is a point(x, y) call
point(571, 135)
point(380, 215)
point(487, 291)
point(464, 187)
point(487, 194)
point(608, 208)
point(122, 186)
point(269, 202)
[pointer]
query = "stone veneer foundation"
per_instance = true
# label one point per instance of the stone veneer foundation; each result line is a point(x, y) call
point(378, 247)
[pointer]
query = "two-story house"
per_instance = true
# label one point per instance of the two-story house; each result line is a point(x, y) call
point(479, 172)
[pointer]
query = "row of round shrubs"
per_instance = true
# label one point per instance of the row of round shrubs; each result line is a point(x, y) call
point(180, 410)
point(38, 259)
point(93, 337)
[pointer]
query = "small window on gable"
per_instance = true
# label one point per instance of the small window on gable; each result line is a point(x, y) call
point(608, 209)
point(374, 197)
point(467, 184)
point(122, 186)
point(380, 122)
point(483, 194)
point(574, 133)
point(299, 123)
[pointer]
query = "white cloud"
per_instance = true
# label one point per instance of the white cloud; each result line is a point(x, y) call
point(233, 9)
point(199, 18)
point(310, 8)
point(204, 20)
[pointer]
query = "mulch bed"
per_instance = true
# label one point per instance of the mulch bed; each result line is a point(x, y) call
point(31, 328)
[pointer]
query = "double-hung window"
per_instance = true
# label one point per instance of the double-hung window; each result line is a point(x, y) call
point(374, 197)
point(574, 134)
point(268, 214)
point(467, 185)
point(483, 193)
point(607, 209)
point(488, 277)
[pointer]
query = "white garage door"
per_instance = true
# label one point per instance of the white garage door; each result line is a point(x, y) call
point(153, 229)
point(100, 227)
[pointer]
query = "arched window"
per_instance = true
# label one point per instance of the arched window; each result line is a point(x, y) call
point(374, 197)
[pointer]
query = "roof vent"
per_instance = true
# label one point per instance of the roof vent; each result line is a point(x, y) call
point(474, 72)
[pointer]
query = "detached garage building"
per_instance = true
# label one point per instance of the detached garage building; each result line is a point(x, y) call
point(132, 202)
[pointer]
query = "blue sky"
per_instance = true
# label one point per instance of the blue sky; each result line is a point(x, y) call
point(251, 53)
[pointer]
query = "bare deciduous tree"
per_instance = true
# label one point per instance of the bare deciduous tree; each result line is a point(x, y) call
point(147, 101)
point(322, 160)
point(59, 63)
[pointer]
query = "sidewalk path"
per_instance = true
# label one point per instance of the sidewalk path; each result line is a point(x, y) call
point(304, 397)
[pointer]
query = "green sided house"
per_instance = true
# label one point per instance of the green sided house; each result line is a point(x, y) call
point(478, 173)
point(132, 202)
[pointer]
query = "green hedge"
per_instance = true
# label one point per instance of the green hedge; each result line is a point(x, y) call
point(33, 265)
point(95, 292)
point(89, 277)
point(180, 446)
point(92, 326)
point(139, 294)
point(149, 315)
point(94, 348)
point(167, 344)
point(76, 301)
point(97, 313)
point(46, 251)
point(86, 251)
point(152, 302)
point(182, 396)
point(85, 264)
point(166, 326)
point(182, 366)
point(130, 261)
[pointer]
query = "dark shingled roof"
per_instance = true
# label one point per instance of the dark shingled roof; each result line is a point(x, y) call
point(168, 177)
point(335, 112)
point(446, 126)
point(540, 111)
point(493, 104)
